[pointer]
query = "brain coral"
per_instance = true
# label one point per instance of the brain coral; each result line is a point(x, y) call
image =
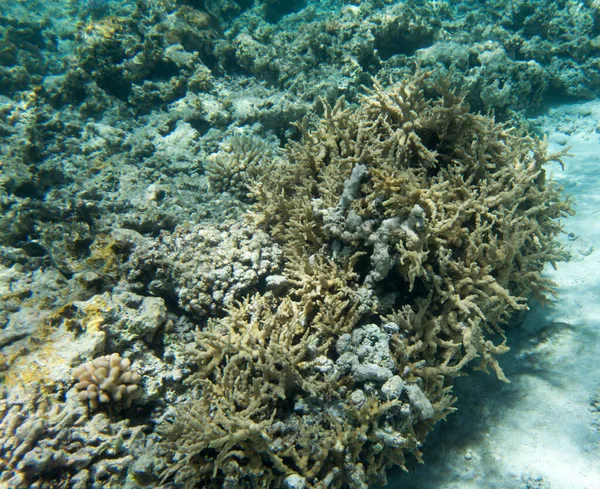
point(411, 230)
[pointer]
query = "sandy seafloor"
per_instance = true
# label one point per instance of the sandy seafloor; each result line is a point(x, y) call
point(542, 430)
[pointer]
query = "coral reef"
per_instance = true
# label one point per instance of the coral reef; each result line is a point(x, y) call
point(411, 230)
point(155, 88)
point(383, 253)
point(276, 409)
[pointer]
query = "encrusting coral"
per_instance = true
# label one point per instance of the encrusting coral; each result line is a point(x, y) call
point(411, 230)
point(105, 379)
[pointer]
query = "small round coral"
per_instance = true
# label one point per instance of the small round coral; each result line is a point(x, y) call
point(106, 379)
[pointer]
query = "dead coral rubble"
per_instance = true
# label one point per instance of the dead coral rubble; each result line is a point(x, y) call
point(44, 438)
point(411, 230)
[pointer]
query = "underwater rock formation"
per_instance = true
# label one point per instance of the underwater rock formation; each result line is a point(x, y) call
point(411, 230)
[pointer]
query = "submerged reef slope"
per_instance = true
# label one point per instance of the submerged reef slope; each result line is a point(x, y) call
point(411, 230)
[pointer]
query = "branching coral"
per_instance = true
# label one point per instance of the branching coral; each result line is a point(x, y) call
point(411, 230)
point(454, 209)
point(276, 407)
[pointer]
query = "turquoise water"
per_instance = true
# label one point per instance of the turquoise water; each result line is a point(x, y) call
point(273, 244)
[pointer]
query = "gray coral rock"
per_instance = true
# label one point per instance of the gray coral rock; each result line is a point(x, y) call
point(393, 388)
point(345, 225)
point(126, 317)
point(294, 481)
point(419, 401)
point(205, 267)
point(366, 354)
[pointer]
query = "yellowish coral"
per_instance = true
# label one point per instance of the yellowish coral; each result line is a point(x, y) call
point(412, 229)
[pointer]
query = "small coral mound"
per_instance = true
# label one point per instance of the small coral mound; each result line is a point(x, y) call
point(207, 268)
point(107, 378)
point(240, 162)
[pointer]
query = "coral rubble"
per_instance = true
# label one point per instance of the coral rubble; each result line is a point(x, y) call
point(45, 439)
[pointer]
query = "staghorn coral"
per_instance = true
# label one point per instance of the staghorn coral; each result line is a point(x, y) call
point(454, 209)
point(411, 230)
point(275, 409)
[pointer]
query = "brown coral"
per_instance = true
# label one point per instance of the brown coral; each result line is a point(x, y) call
point(455, 209)
point(105, 379)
